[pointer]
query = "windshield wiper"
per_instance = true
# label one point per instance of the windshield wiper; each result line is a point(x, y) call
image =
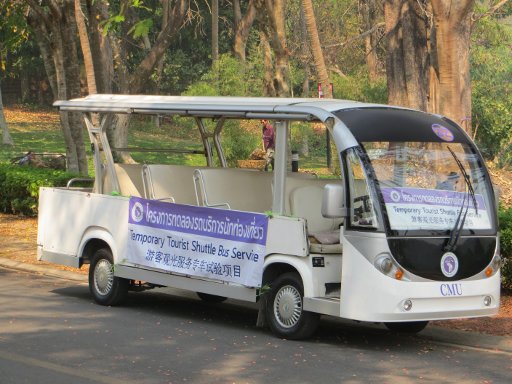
point(459, 223)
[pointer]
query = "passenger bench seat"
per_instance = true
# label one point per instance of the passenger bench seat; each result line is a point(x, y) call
point(306, 202)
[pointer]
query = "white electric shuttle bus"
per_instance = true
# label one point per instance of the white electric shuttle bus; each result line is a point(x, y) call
point(405, 234)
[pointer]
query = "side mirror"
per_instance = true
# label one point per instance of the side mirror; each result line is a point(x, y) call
point(333, 201)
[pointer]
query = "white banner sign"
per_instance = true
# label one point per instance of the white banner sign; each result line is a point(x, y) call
point(198, 241)
point(415, 208)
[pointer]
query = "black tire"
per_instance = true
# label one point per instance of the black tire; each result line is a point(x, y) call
point(106, 288)
point(284, 310)
point(407, 326)
point(211, 298)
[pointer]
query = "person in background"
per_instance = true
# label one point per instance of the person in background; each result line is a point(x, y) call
point(269, 142)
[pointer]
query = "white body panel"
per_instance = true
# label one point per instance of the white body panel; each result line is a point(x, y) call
point(338, 279)
point(68, 220)
point(368, 295)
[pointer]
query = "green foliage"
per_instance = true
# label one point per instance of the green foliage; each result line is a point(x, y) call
point(181, 69)
point(229, 77)
point(505, 218)
point(141, 28)
point(303, 134)
point(13, 28)
point(491, 87)
point(237, 143)
point(359, 88)
point(20, 187)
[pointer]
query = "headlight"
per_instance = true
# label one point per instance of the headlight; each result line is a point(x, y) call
point(384, 264)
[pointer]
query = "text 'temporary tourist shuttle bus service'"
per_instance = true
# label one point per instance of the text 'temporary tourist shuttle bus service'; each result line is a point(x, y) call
point(399, 227)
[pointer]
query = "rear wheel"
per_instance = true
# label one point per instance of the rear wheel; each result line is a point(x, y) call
point(106, 288)
point(407, 326)
point(284, 311)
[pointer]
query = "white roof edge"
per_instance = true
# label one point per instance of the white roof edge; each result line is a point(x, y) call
point(222, 104)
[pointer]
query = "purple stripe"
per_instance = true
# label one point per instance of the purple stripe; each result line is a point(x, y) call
point(429, 197)
point(218, 223)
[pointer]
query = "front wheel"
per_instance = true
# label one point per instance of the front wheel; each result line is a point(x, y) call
point(106, 288)
point(284, 309)
point(407, 326)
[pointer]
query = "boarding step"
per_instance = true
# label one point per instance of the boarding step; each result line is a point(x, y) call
point(324, 305)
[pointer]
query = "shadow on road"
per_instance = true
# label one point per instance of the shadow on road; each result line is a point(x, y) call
point(185, 306)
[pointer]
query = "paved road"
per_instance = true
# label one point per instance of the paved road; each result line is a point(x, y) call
point(52, 332)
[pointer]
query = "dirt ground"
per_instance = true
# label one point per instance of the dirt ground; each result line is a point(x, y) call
point(18, 237)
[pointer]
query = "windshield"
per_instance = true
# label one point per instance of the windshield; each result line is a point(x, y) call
point(431, 186)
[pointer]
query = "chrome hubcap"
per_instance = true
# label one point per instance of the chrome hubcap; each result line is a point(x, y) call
point(103, 277)
point(288, 306)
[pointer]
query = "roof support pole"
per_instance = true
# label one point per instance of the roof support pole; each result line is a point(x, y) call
point(206, 143)
point(280, 166)
point(99, 140)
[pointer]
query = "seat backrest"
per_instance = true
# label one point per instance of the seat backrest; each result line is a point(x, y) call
point(306, 202)
point(240, 189)
point(130, 180)
point(174, 183)
point(293, 182)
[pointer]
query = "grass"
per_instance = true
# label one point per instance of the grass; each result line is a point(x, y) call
point(38, 130)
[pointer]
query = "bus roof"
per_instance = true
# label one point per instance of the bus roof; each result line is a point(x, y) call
point(207, 106)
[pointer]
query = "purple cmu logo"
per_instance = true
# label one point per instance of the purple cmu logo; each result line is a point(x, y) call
point(449, 264)
point(442, 132)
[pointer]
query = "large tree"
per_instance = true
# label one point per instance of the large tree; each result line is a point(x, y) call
point(54, 25)
point(101, 46)
point(6, 136)
point(242, 25)
point(370, 11)
point(215, 31)
point(314, 41)
point(271, 19)
point(13, 34)
point(428, 55)
point(86, 48)
point(452, 32)
point(119, 35)
point(407, 55)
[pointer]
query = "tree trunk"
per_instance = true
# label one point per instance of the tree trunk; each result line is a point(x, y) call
point(160, 66)
point(6, 136)
point(305, 54)
point(215, 31)
point(369, 11)
point(62, 94)
point(46, 54)
point(101, 47)
point(118, 132)
point(242, 26)
point(276, 12)
point(120, 138)
point(406, 60)
point(86, 48)
point(314, 41)
point(140, 76)
point(268, 84)
point(56, 23)
point(135, 81)
point(452, 23)
point(72, 73)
